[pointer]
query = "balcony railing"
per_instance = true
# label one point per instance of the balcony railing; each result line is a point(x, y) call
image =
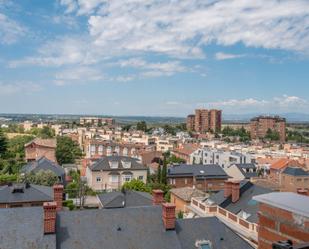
point(240, 225)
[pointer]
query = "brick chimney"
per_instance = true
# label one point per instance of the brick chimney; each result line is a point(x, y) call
point(235, 191)
point(50, 217)
point(227, 189)
point(168, 216)
point(58, 195)
point(157, 197)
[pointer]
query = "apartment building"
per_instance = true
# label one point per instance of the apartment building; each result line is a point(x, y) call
point(111, 172)
point(202, 177)
point(96, 121)
point(98, 148)
point(220, 157)
point(205, 120)
point(260, 125)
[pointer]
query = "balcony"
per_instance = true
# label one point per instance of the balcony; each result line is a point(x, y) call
point(241, 226)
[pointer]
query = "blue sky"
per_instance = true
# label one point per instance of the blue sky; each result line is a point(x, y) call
point(154, 57)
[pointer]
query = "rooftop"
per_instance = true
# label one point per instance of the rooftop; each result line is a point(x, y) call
point(125, 199)
point(295, 203)
point(50, 142)
point(295, 171)
point(187, 193)
point(200, 171)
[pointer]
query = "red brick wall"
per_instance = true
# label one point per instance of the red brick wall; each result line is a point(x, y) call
point(277, 224)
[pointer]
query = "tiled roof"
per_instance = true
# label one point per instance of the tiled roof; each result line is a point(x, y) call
point(50, 142)
point(125, 199)
point(280, 164)
point(187, 193)
point(187, 149)
point(31, 193)
point(295, 171)
point(43, 164)
point(104, 164)
point(199, 171)
point(245, 203)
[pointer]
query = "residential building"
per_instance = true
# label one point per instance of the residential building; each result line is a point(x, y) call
point(125, 199)
point(260, 125)
point(277, 167)
point(98, 148)
point(220, 157)
point(185, 151)
point(205, 120)
point(181, 197)
point(39, 147)
point(28, 195)
point(44, 164)
point(111, 172)
point(293, 179)
point(242, 171)
point(146, 227)
point(233, 206)
point(282, 216)
point(96, 121)
point(203, 177)
point(190, 123)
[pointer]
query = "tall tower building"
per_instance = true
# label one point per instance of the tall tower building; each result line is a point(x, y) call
point(205, 120)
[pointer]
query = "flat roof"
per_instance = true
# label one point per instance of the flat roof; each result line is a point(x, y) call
point(295, 203)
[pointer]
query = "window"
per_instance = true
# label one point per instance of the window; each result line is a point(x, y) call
point(140, 178)
point(203, 244)
point(113, 178)
point(186, 181)
point(100, 150)
point(98, 179)
point(126, 164)
point(127, 178)
point(113, 164)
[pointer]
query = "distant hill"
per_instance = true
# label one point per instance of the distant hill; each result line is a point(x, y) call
point(227, 118)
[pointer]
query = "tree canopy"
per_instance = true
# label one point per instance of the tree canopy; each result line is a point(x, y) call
point(46, 178)
point(67, 150)
point(3, 143)
point(272, 135)
point(136, 185)
point(141, 126)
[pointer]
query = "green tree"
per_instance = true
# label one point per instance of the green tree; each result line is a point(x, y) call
point(272, 135)
point(159, 174)
point(67, 150)
point(16, 147)
point(141, 126)
point(136, 185)
point(3, 143)
point(180, 215)
point(164, 172)
point(42, 177)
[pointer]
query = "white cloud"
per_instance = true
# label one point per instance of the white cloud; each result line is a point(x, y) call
point(10, 30)
point(154, 69)
point(225, 56)
point(286, 101)
point(181, 28)
point(240, 102)
point(18, 87)
point(78, 75)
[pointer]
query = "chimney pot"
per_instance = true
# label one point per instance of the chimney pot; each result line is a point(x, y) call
point(227, 189)
point(168, 216)
point(50, 217)
point(157, 197)
point(235, 191)
point(58, 195)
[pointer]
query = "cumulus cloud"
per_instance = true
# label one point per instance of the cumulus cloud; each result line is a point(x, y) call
point(181, 28)
point(154, 69)
point(10, 30)
point(10, 88)
point(78, 75)
point(225, 56)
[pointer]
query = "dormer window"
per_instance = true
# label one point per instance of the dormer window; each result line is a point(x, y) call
point(126, 164)
point(203, 244)
point(114, 164)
